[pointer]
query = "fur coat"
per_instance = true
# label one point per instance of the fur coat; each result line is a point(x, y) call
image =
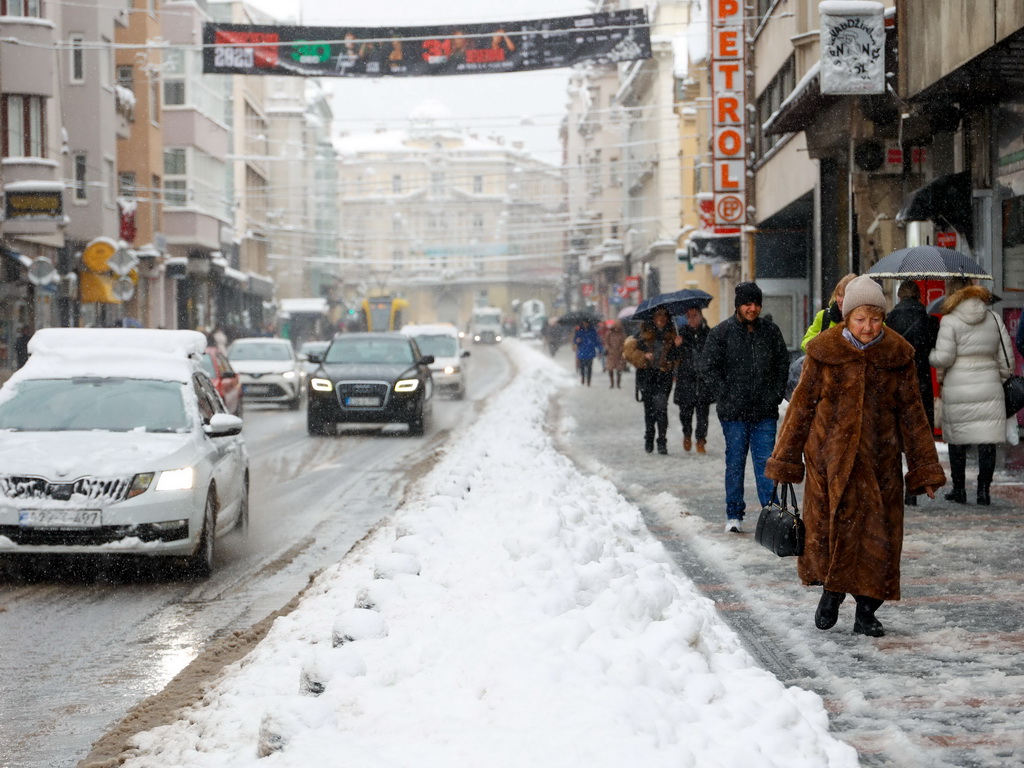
point(970, 366)
point(852, 415)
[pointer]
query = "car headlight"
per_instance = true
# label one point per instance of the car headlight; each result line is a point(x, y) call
point(497, 338)
point(288, 375)
point(177, 479)
point(321, 385)
point(407, 385)
point(140, 484)
point(450, 369)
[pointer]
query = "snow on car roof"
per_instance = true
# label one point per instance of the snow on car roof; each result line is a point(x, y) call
point(430, 329)
point(60, 353)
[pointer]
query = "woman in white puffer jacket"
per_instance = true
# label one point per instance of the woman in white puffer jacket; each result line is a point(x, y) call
point(971, 368)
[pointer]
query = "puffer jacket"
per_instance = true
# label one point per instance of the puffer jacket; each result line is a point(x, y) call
point(971, 368)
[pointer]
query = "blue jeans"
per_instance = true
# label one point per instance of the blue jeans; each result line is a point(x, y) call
point(740, 436)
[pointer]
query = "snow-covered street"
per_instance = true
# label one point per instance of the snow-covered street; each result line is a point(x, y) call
point(514, 611)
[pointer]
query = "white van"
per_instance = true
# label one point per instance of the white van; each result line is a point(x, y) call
point(449, 368)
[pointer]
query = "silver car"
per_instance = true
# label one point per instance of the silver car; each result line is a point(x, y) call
point(269, 370)
point(114, 442)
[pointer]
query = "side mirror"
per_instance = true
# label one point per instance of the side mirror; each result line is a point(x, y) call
point(223, 425)
point(426, 360)
point(313, 357)
point(228, 375)
point(465, 353)
point(303, 357)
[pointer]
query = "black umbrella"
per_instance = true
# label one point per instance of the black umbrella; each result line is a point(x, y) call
point(924, 261)
point(676, 303)
point(578, 316)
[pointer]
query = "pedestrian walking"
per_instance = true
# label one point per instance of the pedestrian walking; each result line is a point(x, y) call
point(830, 316)
point(971, 366)
point(691, 394)
point(745, 365)
point(654, 352)
point(587, 345)
point(855, 410)
point(911, 320)
point(614, 342)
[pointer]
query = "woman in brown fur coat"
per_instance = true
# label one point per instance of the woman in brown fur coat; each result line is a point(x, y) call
point(857, 407)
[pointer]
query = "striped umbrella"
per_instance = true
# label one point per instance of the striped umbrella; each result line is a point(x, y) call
point(924, 261)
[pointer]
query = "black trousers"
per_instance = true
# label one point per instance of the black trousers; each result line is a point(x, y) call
point(686, 412)
point(958, 464)
point(656, 415)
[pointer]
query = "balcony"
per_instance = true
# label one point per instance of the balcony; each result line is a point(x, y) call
point(34, 196)
point(27, 66)
point(612, 254)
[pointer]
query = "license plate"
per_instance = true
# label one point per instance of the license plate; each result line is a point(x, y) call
point(364, 402)
point(255, 389)
point(59, 518)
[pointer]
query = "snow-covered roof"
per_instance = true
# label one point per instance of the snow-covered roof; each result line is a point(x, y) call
point(310, 305)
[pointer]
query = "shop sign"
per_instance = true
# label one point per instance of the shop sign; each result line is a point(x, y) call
point(728, 111)
point(632, 283)
point(34, 205)
point(852, 47)
point(946, 240)
point(587, 289)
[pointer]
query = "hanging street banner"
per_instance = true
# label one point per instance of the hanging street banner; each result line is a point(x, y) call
point(852, 47)
point(461, 49)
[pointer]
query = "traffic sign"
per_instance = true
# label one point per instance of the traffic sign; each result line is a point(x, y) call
point(123, 288)
point(40, 271)
point(122, 262)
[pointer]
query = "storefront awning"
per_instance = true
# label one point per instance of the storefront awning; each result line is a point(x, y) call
point(995, 75)
point(261, 286)
point(945, 200)
point(96, 289)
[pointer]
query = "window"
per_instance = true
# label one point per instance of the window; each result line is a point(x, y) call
point(478, 184)
point(174, 162)
point(175, 192)
point(126, 76)
point(769, 102)
point(154, 99)
point(126, 184)
point(81, 176)
point(33, 8)
point(478, 222)
point(437, 182)
point(396, 184)
point(154, 204)
point(109, 181)
point(23, 126)
point(77, 74)
point(174, 77)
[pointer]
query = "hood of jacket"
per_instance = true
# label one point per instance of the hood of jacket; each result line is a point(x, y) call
point(971, 310)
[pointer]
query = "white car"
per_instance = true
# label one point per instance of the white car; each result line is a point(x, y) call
point(269, 370)
point(114, 442)
point(444, 343)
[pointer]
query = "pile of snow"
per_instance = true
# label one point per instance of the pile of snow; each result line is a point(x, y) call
point(513, 612)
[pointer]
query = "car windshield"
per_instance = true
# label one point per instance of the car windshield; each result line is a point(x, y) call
point(438, 346)
point(384, 351)
point(85, 404)
point(255, 350)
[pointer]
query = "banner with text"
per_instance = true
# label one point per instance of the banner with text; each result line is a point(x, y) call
point(465, 49)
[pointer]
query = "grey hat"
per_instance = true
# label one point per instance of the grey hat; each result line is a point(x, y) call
point(860, 291)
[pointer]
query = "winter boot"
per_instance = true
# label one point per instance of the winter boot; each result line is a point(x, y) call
point(700, 446)
point(663, 447)
point(864, 621)
point(687, 443)
point(983, 496)
point(649, 443)
point(827, 614)
point(959, 495)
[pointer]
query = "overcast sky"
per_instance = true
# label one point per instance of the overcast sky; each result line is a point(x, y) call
point(523, 106)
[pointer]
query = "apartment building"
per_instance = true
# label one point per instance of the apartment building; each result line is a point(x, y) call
point(31, 172)
point(448, 219)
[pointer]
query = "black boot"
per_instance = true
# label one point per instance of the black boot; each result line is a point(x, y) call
point(983, 496)
point(959, 495)
point(649, 444)
point(909, 500)
point(663, 447)
point(828, 609)
point(864, 621)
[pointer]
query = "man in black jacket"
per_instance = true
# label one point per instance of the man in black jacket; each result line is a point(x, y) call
point(745, 364)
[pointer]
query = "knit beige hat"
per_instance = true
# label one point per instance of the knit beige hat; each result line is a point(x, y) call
point(860, 291)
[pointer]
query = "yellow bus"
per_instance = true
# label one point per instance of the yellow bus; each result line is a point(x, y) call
point(384, 313)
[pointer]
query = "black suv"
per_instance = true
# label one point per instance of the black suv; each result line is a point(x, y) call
point(370, 378)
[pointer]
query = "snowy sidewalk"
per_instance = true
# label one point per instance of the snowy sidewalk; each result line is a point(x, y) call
point(943, 689)
point(514, 612)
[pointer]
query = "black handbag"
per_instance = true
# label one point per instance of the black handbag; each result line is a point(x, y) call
point(780, 527)
point(1013, 387)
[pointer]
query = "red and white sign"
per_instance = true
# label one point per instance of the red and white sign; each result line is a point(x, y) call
point(728, 111)
point(586, 290)
point(946, 240)
point(632, 283)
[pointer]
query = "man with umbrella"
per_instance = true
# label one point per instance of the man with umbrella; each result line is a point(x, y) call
point(745, 365)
